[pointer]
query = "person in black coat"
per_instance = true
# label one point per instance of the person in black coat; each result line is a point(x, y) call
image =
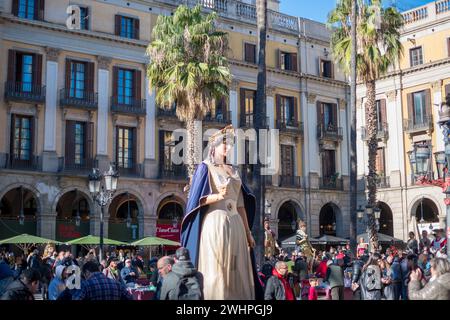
point(23, 288)
point(357, 267)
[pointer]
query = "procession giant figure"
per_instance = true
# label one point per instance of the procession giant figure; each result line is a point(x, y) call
point(217, 226)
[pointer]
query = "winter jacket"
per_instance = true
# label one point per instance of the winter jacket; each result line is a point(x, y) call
point(369, 280)
point(181, 269)
point(335, 276)
point(126, 277)
point(57, 285)
point(438, 289)
point(17, 290)
point(276, 289)
point(301, 268)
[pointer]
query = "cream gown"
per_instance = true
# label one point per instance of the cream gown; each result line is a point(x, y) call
point(224, 254)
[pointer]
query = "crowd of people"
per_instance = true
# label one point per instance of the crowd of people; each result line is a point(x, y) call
point(418, 271)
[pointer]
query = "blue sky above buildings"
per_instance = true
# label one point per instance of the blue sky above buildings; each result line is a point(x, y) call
point(318, 9)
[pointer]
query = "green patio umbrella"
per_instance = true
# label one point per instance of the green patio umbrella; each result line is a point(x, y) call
point(25, 241)
point(91, 241)
point(154, 241)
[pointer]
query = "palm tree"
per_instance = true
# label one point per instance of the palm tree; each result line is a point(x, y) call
point(188, 68)
point(379, 48)
point(260, 115)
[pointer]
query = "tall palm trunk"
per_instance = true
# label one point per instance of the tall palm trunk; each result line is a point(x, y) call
point(371, 125)
point(259, 116)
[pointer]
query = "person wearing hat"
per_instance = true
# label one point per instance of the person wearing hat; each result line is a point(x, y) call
point(128, 274)
point(439, 243)
point(217, 226)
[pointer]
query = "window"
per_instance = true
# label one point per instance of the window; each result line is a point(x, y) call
point(288, 61)
point(84, 18)
point(287, 160)
point(416, 56)
point(328, 116)
point(79, 143)
point(247, 102)
point(328, 163)
point(250, 53)
point(169, 144)
point(380, 162)
point(419, 107)
point(125, 147)
point(77, 79)
point(125, 86)
point(326, 69)
point(26, 72)
point(27, 9)
point(22, 136)
point(127, 27)
point(287, 110)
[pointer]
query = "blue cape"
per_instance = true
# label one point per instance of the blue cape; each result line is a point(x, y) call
point(192, 221)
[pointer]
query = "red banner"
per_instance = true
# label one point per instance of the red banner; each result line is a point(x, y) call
point(168, 231)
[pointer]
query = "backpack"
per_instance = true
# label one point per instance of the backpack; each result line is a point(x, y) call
point(187, 288)
point(373, 278)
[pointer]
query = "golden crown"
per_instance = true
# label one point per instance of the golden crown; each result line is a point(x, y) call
point(228, 130)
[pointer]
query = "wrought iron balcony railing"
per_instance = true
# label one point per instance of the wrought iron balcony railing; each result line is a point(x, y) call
point(290, 125)
point(69, 166)
point(83, 99)
point(290, 181)
point(248, 121)
point(135, 171)
point(383, 182)
point(382, 132)
point(173, 173)
point(331, 183)
point(31, 164)
point(128, 106)
point(329, 132)
point(412, 126)
point(21, 91)
point(220, 118)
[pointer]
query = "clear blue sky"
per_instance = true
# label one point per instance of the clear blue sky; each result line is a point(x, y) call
point(318, 9)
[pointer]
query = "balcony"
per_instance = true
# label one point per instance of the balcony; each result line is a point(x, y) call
point(86, 100)
point(382, 132)
point(173, 173)
point(219, 118)
point(410, 126)
point(383, 182)
point(247, 121)
point(24, 92)
point(290, 126)
point(241, 11)
point(166, 113)
point(290, 181)
point(71, 167)
point(430, 12)
point(135, 171)
point(131, 107)
point(331, 183)
point(32, 164)
point(330, 132)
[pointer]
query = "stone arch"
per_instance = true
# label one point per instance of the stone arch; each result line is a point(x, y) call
point(386, 219)
point(83, 191)
point(288, 213)
point(117, 227)
point(415, 203)
point(17, 199)
point(165, 195)
point(331, 220)
point(430, 208)
point(30, 187)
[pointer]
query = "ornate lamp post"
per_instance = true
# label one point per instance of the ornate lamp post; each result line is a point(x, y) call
point(444, 123)
point(365, 215)
point(102, 194)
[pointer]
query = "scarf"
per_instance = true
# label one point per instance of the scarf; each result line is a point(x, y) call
point(289, 295)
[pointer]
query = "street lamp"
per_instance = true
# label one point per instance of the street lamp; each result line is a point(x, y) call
point(365, 216)
point(444, 123)
point(420, 160)
point(102, 194)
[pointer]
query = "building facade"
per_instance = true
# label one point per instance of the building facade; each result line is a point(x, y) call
point(411, 144)
point(77, 99)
